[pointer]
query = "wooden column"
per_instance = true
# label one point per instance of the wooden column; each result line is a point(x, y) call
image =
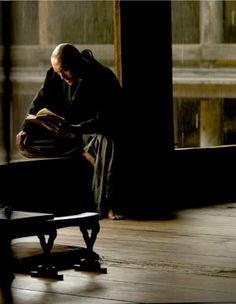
point(146, 62)
point(211, 31)
point(211, 21)
point(117, 40)
point(49, 19)
point(211, 113)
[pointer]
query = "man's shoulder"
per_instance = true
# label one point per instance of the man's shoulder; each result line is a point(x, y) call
point(87, 54)
point(98, 71)
point(50, 72)
point(51, 75)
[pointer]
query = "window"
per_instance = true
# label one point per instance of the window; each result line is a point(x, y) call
point(204, 73)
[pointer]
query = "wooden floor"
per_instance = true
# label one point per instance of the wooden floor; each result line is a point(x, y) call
point(190, 258)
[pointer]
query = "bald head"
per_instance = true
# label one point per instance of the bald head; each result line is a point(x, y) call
point(65, 60)
point(67, 54)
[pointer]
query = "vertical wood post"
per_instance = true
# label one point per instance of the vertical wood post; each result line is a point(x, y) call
point(117, 39)
point(146, 66)
point(211, 111)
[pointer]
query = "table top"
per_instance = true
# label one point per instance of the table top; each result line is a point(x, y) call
point(22, 224)
point(24, 216)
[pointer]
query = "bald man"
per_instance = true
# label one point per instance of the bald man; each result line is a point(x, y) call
point(87, 95)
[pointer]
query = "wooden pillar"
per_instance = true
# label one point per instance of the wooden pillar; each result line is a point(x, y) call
point(211, 31)
point(146, 66)
point(211, 21)
point(211, 113)
point(49, 19)
point(117, 40)
point(146, 60)
point(6, 25)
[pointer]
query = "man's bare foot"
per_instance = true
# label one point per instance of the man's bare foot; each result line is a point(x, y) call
point(112, 215)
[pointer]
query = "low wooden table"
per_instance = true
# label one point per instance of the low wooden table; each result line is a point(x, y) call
point(21, 224)
point(18, 224)
point(14, 225)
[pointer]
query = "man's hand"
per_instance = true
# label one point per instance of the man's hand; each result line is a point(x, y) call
point(51, 123)
point(60, 127)
point(20, 140)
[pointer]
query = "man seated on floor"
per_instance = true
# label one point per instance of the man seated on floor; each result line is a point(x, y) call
point(85, 95)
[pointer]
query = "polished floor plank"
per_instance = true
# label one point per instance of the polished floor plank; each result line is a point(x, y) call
point(189, 258)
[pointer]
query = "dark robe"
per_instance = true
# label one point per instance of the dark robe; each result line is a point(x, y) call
point(94, 104)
